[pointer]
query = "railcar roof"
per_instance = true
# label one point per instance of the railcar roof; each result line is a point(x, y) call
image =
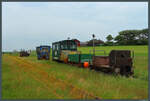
point(43, 46)
point(61, 41)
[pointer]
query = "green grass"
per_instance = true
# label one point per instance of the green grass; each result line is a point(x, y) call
point(100, 84)
point(138, 50)
point(17, 84)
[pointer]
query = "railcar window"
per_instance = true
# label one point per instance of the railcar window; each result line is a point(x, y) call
point(65, 47)
point(53, 47)
point(45, 49)
point(72, 46)
point(57, 46)
point(62, 47)
point(38, 49)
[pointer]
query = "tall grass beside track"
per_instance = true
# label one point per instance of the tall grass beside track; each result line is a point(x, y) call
point(99, 84)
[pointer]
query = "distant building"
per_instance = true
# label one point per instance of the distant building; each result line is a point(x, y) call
point(77, 41)
point(83, 43)
point(96, 42)
point(89, 43)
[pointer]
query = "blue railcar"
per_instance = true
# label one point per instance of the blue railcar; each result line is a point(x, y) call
point(43, 52)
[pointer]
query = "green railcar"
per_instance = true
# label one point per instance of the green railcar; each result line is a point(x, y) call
point(80, 58)
point(58, 47)
point(86, 58)
point(74, 58)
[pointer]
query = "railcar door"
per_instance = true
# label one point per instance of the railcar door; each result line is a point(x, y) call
point(56, 51)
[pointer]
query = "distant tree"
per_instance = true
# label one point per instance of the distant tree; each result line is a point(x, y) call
point(119, 40)
point(142, 37)
point(109, 40)
point(132, 37)
point(144, 34)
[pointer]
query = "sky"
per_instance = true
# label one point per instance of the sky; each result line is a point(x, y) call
point(26, 25)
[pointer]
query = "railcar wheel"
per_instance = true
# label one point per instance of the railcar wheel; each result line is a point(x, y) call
point(126, 71)
point(132, 71)
point(39, 58)
point(117, 71)
point(91, 67)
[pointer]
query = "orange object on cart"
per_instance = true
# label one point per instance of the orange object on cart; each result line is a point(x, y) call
point(86, 64)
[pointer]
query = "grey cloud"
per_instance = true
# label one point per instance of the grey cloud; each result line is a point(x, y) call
point(26, 25)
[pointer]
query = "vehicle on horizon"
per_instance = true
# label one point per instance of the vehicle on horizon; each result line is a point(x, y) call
point(43, 52)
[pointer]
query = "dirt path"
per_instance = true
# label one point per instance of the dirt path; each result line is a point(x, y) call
point(49, 81)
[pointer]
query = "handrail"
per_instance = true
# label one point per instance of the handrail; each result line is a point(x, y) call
point(133, 57)
point(132, 54)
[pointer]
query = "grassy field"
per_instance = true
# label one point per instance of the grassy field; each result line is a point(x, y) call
point(29, 78)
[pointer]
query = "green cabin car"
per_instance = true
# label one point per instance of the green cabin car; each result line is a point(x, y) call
point(58, 47)
point(80, 58)
point(74, 58)
point(66, 51)
point(86, 58)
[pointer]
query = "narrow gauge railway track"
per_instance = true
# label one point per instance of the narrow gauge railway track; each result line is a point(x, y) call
point(50, 80)
point(32, 75)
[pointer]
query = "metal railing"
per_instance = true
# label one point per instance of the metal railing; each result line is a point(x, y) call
point(133, 58)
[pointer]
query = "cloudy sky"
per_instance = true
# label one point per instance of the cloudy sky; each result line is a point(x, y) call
point(29, 24)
